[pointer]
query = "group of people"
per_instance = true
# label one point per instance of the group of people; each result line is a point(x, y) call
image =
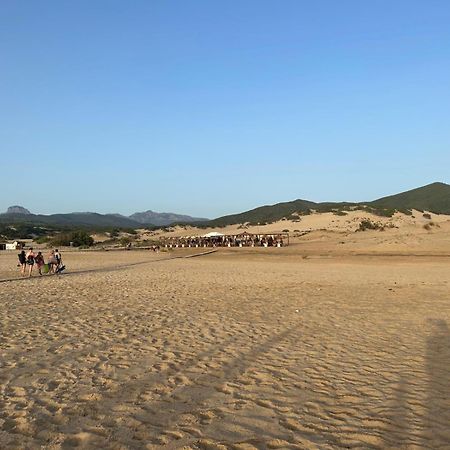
point(30, 259)
point(240, 240)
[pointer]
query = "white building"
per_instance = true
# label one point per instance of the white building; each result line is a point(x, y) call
point(16, 245)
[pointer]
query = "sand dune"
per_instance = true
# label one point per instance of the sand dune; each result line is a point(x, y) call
point(319, 221)
point(234, 350)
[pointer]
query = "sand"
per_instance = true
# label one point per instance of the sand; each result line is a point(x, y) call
point(317, 345)
point(349, 222)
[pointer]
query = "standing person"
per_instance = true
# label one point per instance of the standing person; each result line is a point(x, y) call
point(30, 260)
point(39, 260)
point(58, 258)
point(22, 261)
point(52, 262)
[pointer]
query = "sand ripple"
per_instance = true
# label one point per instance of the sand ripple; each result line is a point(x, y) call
point(221, 353)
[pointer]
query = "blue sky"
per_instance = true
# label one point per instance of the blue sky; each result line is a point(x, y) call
point(209, 107)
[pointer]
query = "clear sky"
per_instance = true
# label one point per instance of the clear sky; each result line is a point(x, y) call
point(214, 107)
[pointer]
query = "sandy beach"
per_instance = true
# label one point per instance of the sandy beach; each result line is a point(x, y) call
point(292, 348)
point(225, 225)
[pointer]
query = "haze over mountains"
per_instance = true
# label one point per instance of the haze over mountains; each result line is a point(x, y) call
point(434, 197)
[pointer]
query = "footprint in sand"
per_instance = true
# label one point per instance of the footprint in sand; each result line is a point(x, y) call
point(192, 431)
point(206, 444)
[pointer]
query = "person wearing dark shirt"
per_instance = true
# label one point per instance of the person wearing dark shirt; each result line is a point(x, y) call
point(22, 262)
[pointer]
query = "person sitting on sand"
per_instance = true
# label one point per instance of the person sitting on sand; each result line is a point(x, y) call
point(30, 260)
point(39, 260)
point(22, 262)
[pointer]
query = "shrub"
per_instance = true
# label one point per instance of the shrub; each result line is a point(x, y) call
point(369, 225)
point(77, 238)
point(286, 231)
point(42, 240)
point(431, 224)
point(125, 241)
point(382, 212)
point(114, 233)
point(427, 216)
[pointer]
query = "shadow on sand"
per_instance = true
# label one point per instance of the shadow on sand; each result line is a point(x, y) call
point(437, 422)
point(419, 415)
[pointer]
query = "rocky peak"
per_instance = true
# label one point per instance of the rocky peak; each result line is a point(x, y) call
point(17, 210)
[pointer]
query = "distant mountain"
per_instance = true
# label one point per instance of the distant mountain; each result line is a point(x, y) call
point(17, 210)
point(163, 219)
point(18, 214)
point(82, 219)
point(434, 197)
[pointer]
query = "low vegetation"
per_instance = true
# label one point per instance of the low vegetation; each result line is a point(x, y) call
point(23, 231)
point(79, 238)
point(370, 225)
point(428, 226)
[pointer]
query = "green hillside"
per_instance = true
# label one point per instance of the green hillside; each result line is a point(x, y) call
point(434, 197)
point(268, 213)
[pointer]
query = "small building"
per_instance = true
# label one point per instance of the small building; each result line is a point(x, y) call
point(16, 245)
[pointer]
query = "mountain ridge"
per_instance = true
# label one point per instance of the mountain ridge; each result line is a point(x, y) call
point(19, 214)
point(163, 219)
point(434, 197)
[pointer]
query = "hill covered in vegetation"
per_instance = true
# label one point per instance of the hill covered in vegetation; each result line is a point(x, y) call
point(434, 197)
